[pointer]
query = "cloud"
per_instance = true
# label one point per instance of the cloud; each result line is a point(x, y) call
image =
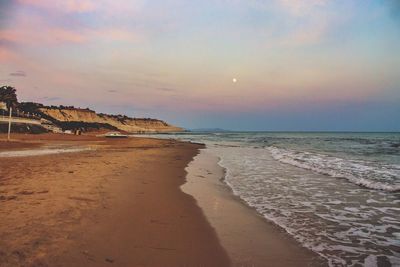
point(292, 7)
point(25, 32)
point(113, 34)
point(33, 29)
point(164, 89)
point(296, 22)
point(54, 98)
point(68, 6)
point(59, 22)
point(18, 73)
point(5, 43)
point(101, 7)
point(6, 11)
point(301, 7)
point(7, 55)
point(312, 32)
point(26, 36)
point(311, 21)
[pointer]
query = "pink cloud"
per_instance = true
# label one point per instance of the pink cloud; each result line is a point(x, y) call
point(34, 30)
point(6, 55)
point(28, 28)
point(24, 31)
point(69, 6)
point(102, 7)
point(59, 36)
point(47, 36)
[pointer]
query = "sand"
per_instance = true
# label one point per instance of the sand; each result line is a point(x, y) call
point(121, 204)
point(248, 238)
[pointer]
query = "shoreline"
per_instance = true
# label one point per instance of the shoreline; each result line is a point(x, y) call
point(249, 238)
point(120, 204)
point(110, 205)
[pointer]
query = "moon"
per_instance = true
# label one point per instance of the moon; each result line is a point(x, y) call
point(234, 80)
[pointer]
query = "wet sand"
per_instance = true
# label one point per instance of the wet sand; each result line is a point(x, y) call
point(121, 204)
point(118, 205)
point(249, 239)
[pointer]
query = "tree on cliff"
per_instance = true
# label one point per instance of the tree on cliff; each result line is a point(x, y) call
point(8, 95)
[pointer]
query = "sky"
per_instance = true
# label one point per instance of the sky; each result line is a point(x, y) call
point(275, 65)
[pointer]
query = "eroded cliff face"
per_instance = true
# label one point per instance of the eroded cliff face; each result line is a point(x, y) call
point(132, 125)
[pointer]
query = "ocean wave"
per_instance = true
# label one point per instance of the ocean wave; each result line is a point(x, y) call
point(367, 174)
point(317, 211)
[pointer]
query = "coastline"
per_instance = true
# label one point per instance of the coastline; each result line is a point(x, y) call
point(249, 239)
point(130, 202)
point(119, 204)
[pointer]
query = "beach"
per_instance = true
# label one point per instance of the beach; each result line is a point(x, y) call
point(120, 203)
point(248, 238)
point(199, 133)
point(117, 204)
point(336, 194)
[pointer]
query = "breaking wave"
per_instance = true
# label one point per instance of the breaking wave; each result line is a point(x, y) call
point(368, 174)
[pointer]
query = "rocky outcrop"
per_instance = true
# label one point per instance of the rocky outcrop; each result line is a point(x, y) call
point(123, 123)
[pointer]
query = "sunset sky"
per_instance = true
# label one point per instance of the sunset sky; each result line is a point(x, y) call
point(298, 64)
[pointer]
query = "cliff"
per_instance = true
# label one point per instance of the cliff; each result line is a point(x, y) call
point(123, 123)
point(70, 118)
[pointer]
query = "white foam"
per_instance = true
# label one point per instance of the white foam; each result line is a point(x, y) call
point(339, 220)
point(371, 261)
point(311, 207)
point(360, 173)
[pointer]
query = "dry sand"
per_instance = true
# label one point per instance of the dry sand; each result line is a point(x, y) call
point(119, 205)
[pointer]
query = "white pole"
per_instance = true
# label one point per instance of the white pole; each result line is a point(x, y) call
point(9, 125)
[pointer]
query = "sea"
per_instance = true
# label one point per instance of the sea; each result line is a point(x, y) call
point(337, 194)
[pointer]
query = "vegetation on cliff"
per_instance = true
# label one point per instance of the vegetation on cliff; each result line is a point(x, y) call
point(84, 119)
